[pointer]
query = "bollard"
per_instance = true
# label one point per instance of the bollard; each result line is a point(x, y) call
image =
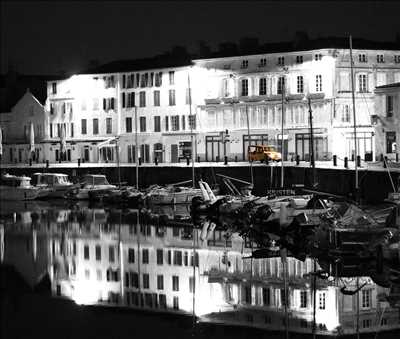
point(385, 162)
point(187, 161)
point(198, 158)
point(140, 161)
point(335, 160)
point(236, 159)
point(381, 157)
point(225, 160)
point(297, 159)
point(217, 158)
point(79, 162)
point(358, 161)
point(30, 162)
point(346, 162)
point(156, 161)
point(47, 164)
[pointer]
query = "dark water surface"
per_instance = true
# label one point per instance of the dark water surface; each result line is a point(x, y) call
point(80, 271)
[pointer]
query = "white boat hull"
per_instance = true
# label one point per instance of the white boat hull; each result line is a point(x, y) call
point(19, 193)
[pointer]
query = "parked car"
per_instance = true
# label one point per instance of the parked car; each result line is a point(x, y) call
point(263, 153)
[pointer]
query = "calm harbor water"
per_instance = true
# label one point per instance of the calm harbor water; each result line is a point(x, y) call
point(122, 270)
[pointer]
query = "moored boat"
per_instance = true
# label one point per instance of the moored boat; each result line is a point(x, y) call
point(90, 187)
point(14, 187)
point(57, 183)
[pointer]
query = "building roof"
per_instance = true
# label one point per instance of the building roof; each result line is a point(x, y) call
point(160, 61)
point(393, 85)
point(13, 86)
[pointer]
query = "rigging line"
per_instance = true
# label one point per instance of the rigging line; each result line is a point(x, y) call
point(380, 147)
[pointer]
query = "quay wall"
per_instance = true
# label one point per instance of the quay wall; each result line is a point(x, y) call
point(374, 185)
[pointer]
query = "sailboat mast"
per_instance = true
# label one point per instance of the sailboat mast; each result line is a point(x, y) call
point(312, 156)
point(136, 149)
point(249, 138)
point(282, 146)
point(191, 129)
point(354, 114)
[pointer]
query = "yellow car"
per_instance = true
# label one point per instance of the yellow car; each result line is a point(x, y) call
point(263, 153)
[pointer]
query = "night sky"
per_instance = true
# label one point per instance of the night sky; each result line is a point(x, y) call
point(50, 37)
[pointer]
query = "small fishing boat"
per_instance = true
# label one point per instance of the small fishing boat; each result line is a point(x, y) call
point(14, 187)
point(91, 186)
point(57, 183)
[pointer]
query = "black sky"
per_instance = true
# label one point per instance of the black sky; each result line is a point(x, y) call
point(48, 37)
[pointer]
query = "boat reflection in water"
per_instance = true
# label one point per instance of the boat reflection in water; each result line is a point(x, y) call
point(102, 256)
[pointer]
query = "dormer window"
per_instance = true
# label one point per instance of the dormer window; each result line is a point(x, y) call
point(263, 62)
point(397, 59)
point(281, 61)
point(380, 59)
point(245, 64)
point(53, 88)
point(299, 59)
point(362, 58)
point(318, 57)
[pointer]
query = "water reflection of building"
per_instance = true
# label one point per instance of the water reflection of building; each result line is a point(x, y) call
point(104, 257)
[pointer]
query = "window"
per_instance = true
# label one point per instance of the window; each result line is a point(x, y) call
point(263, 62)
point(162, 300)
point(281, 61)
point(299, 59)
point(86, 252)
point(157, 123)
point(145, 256)
point(321, 304)
point(266, 295)
point(303, 299)
point(144, 78)
point(171, 77)
point(160, 256)
point(175, 123)
point(366, 298)
point(362, 83)
point(390, 142)
point(245, 87)
point(389, 105)
point(158, 79)
point(108, 125)
point(366, 323)
point(142, 122)
point(142, 99)
point(172, 97)
point(72, 129)
point(54, 88)
point(346, 113)
point(52, 108)
point(383, 321)
point(131, 255)
point(263, 86)
point(167, 123)
point(191, 284)
point(98, 252)
point(160, 282)
point(183, 122)
point(130, 102)
point(95, 126)
point(134, 279)
point(109, 81)
point(281, 85)
point(111, 254)
point(318, 57)
point(318, 83)
point(178, 258)
point(397, 59)
point(362, 58)
point(156, 98)
point(380, 59)
point(83, 126)
point(128, 125)
point(192, 121)
point(131, 159)
point(51, 130)
point(175, 283)
point(146, 280)
point(244, 64)
point(176, 303)
point(108, 104)
point(300, 84)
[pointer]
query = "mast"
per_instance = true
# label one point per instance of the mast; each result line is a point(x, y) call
point(191, 129)
point(136, 149)
point(312, 159)
point(282, 146)
point(354, 116)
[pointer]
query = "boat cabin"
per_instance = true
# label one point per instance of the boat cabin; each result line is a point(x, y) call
point(15, 181)
point(50, 179)
point(95, 180)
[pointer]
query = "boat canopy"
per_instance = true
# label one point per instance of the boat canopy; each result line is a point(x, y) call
point(92, 179)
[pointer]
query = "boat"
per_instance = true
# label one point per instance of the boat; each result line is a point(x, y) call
point(124, 195)
point(90, 187)
point(58, 183)
point(14, 187)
